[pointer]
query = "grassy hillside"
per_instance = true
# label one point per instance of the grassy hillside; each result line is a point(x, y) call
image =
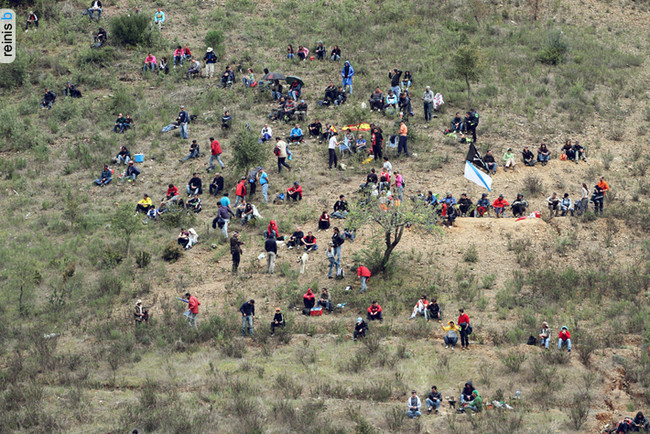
point(71, 359)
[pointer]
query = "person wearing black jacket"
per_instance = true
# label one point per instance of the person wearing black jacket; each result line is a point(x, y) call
point(278, 320)
point(338, 240)
point(466, 394)
point(217, 184)
point(235, 249)
point(195, 185)
point(488, 159)
point(48, 99)
point(210, 59)
point(395, 76)
point(360, 329)
point(597, 198)
point(377, 142)
point(529, 157)
point(315, 128)
point(371, 178)
point(340, 208)
point(183, 119)
point(271, 247)
point(433, 400)
point(71, 91)
point(247, 315)
point(519, 206)
point(471, 122)
point(464, 204)
point(330, 93)
point(434, 310)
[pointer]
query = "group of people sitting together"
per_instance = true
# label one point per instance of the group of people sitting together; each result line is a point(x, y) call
point(302, 53)
point(470, 400)
point(569, 152)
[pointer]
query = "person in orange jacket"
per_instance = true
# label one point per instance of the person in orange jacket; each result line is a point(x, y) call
point(500, 205)
point(364, 274)
point(240, 190)
point(603, 185)
point(192, 309)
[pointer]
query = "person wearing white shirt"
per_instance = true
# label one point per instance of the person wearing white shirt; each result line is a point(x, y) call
point(331, 147)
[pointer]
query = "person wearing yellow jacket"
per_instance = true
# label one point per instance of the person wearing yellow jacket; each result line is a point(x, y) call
point(144, 205)
point(452, 334)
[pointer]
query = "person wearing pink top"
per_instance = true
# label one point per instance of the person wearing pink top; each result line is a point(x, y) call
point(178, 56)
point(149, 63)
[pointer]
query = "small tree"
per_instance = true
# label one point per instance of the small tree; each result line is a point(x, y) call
point(468, 64)
point(215, 39)
point(247, 151)
point(132, 30)
point(392, 220)
point(126, 223)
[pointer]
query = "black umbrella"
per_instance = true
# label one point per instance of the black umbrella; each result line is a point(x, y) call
point(271, 76)
point(292, 78)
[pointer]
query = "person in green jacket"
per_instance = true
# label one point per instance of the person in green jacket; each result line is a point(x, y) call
point(509, 160)
point(476, 404)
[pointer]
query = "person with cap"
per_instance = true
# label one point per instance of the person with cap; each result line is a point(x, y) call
point(240, 190)
point(564, 336)
point(360, 329)
point(364, 274)
point(301, 110)
point(375, 312)
point(414, 404)
point(295, 192)
point(566, 205)
point(509, 160)
point(433, 400)
point(428, 103)
point(475, 404)
point(519, 206)
point(500, 205)
point(489, 161)
point(192, 309)
point(553, 203)
point(193, 153)
point(247, 316)
point(482, 205)
point(215, 154)
point(32, 20)
point(140, 314)
point(235, 251)
point(131, 173)
point(210, 59)
point(278, 321)
point(183, 119)
point(528, 156)
point(281, 152)
point(545, 335)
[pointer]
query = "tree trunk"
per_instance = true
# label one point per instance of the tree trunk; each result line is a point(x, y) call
point(128, 246)
point(469, 96)
point(391, 244)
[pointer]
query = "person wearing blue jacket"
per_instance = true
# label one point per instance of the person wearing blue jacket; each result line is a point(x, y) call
point(105, 178)
point(296, 134)
point(132, 172)
point(448, 199)
point(347, 73)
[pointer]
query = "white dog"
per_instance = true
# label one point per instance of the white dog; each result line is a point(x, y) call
point(302, 260)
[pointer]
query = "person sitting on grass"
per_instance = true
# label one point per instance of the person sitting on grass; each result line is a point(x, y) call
point(568, 151)
point(194, 69)
point(195, 185)
point(482, 205)
point(325, 300)
point(178, 56)
point(278, 321)
point(48, 99)
point(140, 314)
point(101, 37)
point(163, 66)
point(193, 153)
point(247, 213)
point(291, 54)
point(320, 51)
point(543, 154)
point(71, 91)
point(227, 78)
point(277, 90)
point(433, 400)
point(32, 20)
point(564, 337)
point(226, 120)
point(414, 404)
point(500, 205)
point(105, 178)
point(361, 144)
point(128, 122)
point(330, 94)
point(295, 240)
point(144, 204)
point(509, 160)
point(553, 204)
point(95, 6)
point(124, 156)
point(528, 156)
point(566, 205)
point(309, 242)
point(578, 151)
point(421, 308)
point(335, 55)
point(295, 192)
point(309, 299)
point(288, 109)
point(131, 173)
point(341, 209)
point(266, 134)
point(519, 206)
point(466, 394)
point(324, 221)
point(183, 238)
point(475, 404)
point(118, 127)
point(451, 338)
point(464, 205)
point(375, 312)
point(315, 128)
point(488, 159)
point(360, 329)
point(545, 335)
point(153, 213)
point(302, 52)
point(376, 100)
point(194, 204)
point(391, 102)
point(172, 193)
point(301, 110)
point(296, 134)
point(434, 310)
point(150, 64)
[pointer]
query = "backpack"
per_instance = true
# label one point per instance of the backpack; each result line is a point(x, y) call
point(563, 157)
point(532, 340)
point(276, 151)
point(340, 273)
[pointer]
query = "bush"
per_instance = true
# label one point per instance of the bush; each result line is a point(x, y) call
point(555, 50)
point(13, 75)
point(172, 252)
point(587, 345)
point(513, 360)
point(96, 56)
point(132, 30)
point(215, 39)
point(471, 254)
point(143, 259)
point(247, 151)
point(533, 185)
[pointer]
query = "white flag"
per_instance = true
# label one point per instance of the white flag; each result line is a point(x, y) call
point(476, 176)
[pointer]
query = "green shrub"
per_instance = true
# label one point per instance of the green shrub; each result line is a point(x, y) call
point(513, 360)
point(471, 254)
point(247, 151)
point(131, 30)
point(143, 259)
point(13, 75)
point(215, 39)
point(172, 252)
point(555, 50)
point(96, 56)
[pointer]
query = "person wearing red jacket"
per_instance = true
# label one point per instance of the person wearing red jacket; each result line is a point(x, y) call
point(364, 274)
point(172, 193)
point(309, 299)
point(272, 230)
point(240, 190)
point(564, 336)
point(192, 309)
point(374, 312)
point(295, 192)
point(463, 323)
point(215, 148)
point(500, 205)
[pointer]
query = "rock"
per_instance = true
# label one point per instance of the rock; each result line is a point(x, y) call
point(213, 246)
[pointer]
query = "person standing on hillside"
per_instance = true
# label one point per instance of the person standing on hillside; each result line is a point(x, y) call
point(347, 73)
point(337, 240)
point(364, 274)
point(597, 198)
point(603, 185)
point(247, 316)
point(192, 309)
point(216, 151)
point(377, 143)
point(240, 190)
point(427, 98)
point(463, 323)
point(183, 119)
point(235, 250)
point(403, 136)
point(281, 152)
point(395, 76)
point(263, 178)
point(331, 149)
point(210, 60)
point(271, 247)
